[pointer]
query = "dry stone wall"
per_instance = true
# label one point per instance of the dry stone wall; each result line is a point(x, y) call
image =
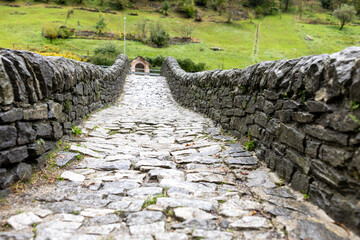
point(41, 98)
point(302, 115)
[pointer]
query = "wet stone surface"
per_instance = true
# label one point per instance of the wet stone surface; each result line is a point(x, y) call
point(155, 170)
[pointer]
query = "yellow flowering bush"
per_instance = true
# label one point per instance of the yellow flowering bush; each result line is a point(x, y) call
point(65, 55)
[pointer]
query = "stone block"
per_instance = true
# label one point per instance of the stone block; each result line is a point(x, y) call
point(260, 118)
point(37, 112)
point(55, 111)
point(58, 131)
point(254, 131)
point(15, 114)
point(273, 125)
point(291, 137)
point(337, 157)
point(312, 148)
point(284, 115)
point(300, 182)
point(43, 129)
point(13, 155)
point(291, 104)
point(317, 107)
point(269, 107)
point(278, 148)
point(271, 95)
point(260, 100)
point(322, 133)
point(26, 133)
point(250, 106)
point(303, 117)
point(8, 135)
point(23, 171)
point(327, 173)
point(6, 89)
point(299, 160)
point(284, 168)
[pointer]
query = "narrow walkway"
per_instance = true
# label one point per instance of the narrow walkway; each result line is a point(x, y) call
point(154, 170)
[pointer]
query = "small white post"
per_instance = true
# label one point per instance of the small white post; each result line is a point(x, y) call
point(124, 33)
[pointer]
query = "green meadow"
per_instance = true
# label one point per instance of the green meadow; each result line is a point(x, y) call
point(280, 37)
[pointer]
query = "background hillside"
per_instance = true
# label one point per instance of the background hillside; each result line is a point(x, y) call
point(281, 33)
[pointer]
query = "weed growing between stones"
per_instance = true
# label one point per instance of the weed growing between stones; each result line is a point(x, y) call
point(354, 105)
point(75, 130)
point(250, 145)
point(150, 200)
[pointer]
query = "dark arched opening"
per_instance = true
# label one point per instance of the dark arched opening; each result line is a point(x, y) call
point(139, 67)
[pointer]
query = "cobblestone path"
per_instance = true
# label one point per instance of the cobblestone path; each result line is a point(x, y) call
point(154, 170)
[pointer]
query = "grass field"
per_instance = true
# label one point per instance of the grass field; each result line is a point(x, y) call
point(279, 38)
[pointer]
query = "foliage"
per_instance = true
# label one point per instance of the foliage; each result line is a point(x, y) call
point(158, 35)
point(249, 146)
point(105, 54)
point(354, 105)
point(187, 7)
point(201, 3)
point(50, 31)
point(189, 66)
point(326, 4)
point(186, 64)
point(100, 25)
point(75, 130)
point(165, 8)
point(141, 29)
point(186, 30)
point(118, 4)
point(345, 14)
point(69, 55)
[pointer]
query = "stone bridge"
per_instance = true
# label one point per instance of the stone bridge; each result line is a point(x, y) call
point(154, 169)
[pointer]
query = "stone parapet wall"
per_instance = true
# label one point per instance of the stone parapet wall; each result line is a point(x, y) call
point(41, 98)
point(301, 114)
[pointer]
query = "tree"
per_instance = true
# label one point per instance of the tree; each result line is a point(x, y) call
point(286, 2)
point(100, 26)
point(345, 14)
point(300, 5)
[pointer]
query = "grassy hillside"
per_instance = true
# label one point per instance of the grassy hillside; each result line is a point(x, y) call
point(279, 38)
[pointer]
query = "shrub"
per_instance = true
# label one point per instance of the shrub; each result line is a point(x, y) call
point(63, 33)
point(105, 54)
point(118, 4)
point(49, 31)
point(141, 29)
point(158, 35)
point(186, 30)
point(189, 66)
point(165, 8)
point(201, 3)
point(186, 64)
point(187, 7)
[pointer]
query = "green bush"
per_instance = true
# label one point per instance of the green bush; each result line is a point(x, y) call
point(118, 4)
point(64, 33)
point(189, 66)
point(186, 64)
point(187, 7)
point(50, 31)
point(105, 54)
point(158, 35)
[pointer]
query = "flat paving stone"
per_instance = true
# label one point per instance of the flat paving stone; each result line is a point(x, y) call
point(155, 170)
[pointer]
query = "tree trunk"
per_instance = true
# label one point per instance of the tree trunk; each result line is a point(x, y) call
point(286, 5)
point(342, 25)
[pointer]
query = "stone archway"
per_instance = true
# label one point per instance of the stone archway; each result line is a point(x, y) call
point(139, 67)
